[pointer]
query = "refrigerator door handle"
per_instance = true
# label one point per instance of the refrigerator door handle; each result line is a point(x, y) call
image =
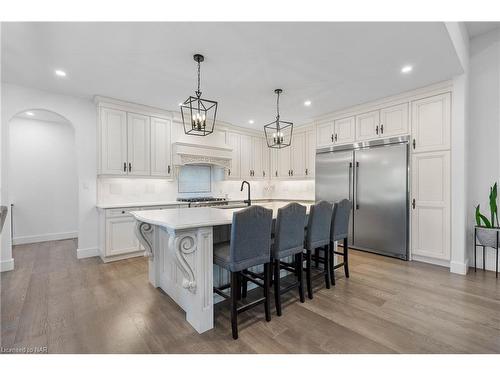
point(350, 179)
point(356, 186)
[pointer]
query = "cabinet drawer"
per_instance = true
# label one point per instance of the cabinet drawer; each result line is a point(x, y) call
point(121, 212)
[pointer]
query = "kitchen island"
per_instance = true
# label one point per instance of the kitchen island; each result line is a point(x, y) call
point(179, 244)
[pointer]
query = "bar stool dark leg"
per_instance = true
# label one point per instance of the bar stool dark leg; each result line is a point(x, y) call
point(331, 249)
point(316, 258)
point(300, 274)
point(327, 267)
point(234, 301)
point(308, 275)
point(346, 258)
point(277, 294)
point(267, 303)
point(244, 287)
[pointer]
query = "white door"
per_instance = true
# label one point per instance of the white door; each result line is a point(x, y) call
point(233, 140)
point(431, 123)
point(431, 205)
point(284, 166)
point(120, 236)
point(394, 120)
point(160, 147)
point(113, 142)
point(298, 155)
point(311, 153)
point(257, 157)
point(344, 130)
point(367, 125)
point(324, 134)
point(138, 151)
point(246, 157)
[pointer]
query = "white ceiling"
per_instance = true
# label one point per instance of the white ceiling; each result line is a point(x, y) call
point(478, 28)
point(334, 65)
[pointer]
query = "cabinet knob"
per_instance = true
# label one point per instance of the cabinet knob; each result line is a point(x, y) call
point(168, 169)
point(130, 167)
point(124, 166)
point(376, 129)
point(332, 137)
point(382, 128)
point(307, 171)
point(414, 143)
point(413, 203)
point(229, 172)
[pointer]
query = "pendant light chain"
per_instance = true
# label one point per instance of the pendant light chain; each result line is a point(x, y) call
point(198, 93)
point(278, 106)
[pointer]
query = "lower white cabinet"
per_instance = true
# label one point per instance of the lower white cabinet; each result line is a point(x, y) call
point(430, 205)
point(120, 236)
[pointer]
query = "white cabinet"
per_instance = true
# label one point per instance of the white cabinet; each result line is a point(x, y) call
point(298, 155)
point(324, 134)
point(367, 125)
point(138, 147)
point(431, 123)
point(120, 236)
point(233, 140)
point(260, 154)
point(311, 153)
point(246, 156)
point(113, 142)
point(394, 120)
point(284, 162)
point(430, 235)
point(161, 147)
point(344, 130)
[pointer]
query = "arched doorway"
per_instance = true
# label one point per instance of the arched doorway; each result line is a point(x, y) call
point(43, 178)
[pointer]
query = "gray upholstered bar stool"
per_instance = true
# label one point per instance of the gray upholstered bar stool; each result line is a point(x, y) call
point(250, 245)
point(339, 232)
point(288, 241)
point(318, 237)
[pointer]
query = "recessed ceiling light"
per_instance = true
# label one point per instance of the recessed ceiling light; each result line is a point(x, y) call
point(60, 73)
point(406, 69)
point(251, 121)
point(307, 103)
point(30, 113)
point(180, 104)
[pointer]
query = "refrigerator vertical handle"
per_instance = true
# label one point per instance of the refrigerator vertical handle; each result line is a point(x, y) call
point(356, 204)
point(350, 179)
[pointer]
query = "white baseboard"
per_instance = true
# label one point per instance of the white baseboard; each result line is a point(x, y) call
point(87, 253)
point(460, 268)
point(7, 265)
point(437, 262)
point(44, 237)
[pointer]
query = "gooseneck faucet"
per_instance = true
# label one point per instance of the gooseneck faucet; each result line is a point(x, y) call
point(248, 201)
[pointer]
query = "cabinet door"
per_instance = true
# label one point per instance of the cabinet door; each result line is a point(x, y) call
point(266, 159)
point(139, 139)
point(160, 147)
point(324, 134)
point(311, 153)
point(298, 155)
point(367, 125)
point(430, 123)
point(394, 120)
point(431, 213)
point(257, 157)
point(344, 130)
point(113, 134)
point(246, 156)
point(233, 140)
point(273, 157)
point(120, 236)
point(284, 165)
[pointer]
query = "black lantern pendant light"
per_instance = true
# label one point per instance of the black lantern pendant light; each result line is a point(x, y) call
point(198, 115)
point(278, 133)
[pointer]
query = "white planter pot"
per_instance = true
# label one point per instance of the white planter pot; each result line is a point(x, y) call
point(487, 236)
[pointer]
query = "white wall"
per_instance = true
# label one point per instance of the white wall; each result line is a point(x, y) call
point(82, 115)
point(43, 180)
point(483, 161)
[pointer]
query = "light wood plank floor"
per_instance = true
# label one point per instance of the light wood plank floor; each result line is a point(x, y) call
point(387, 306)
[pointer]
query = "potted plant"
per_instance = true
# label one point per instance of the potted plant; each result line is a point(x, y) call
point(487, 229)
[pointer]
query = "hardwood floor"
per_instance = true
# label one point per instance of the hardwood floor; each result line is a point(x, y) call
point(54, 300)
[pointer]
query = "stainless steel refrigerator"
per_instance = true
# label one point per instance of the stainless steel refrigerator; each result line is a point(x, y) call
point(374, 176)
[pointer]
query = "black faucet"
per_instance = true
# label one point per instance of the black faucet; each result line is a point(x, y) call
point(248, 201)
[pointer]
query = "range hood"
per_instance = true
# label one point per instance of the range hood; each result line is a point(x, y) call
point(185, 153)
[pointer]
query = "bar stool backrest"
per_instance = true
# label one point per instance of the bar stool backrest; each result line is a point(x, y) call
point(318, 225)
point(289, 234)
point(340, 220)
point(250, 237)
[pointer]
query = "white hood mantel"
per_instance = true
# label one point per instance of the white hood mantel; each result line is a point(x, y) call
point(185, 153)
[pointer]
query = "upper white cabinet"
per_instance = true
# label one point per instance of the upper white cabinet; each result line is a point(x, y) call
point(431, 119)
point(250, 159)
point(311, 153)
point(324, 134)
point(233, 140)
point(430, 203)
point(284, 162)
point(260, 166)
point(296, 161)
point(298, 155)
point(246, 156)
point(368, 125)
point(138, 150)
point(344, 130)
point(113, 142)
point(161, 157)
point(394, 120)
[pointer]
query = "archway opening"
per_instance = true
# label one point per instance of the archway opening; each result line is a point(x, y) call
point(43, 178)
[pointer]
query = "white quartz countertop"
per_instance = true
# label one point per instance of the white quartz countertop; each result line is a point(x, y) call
point(177, 203)
point(186, 218)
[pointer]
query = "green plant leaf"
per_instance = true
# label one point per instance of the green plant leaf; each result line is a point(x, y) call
point(480, 217)
point(493, 204)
